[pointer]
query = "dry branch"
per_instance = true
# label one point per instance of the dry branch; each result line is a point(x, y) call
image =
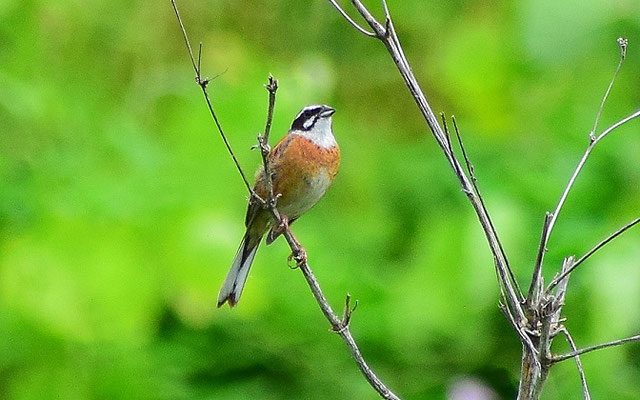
point(385, 32)
point(537, 320)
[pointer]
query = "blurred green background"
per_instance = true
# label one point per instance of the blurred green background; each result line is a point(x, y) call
point(120, 211)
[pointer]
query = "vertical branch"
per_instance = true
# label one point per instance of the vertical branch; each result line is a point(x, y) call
point(263, 141)
point(536, 282)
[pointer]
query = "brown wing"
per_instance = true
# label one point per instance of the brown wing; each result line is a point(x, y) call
point(260, 185)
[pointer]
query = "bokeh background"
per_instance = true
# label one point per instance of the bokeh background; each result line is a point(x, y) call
point(120, 210)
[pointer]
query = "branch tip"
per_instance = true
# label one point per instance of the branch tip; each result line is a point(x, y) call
point(623, 43)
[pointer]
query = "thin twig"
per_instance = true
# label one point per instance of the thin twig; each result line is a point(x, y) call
point(263, 140)
point(618, 342)
point(583, 378)
point(373, 23)
point(597, 247)
point(535, 288)
point(350, 20)
point(623, 54)
point(618, 124)
point(593, 140)
point(447, 136)
point(186, 39)
point(203, 85)
point(272, 87)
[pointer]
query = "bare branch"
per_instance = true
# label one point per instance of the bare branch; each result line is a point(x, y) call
point(379, 30)
point(593, 141)
point(203, 86)
point(618, 124)
point(338, 326)
point(608, 239)
point(538, 320)
point(387, 35)
point(583, 378)
point(350, 20)
point(563, 357)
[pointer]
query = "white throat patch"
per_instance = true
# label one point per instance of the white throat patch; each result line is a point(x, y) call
point(320, 134)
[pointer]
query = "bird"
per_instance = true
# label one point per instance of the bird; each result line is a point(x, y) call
point(303, 166)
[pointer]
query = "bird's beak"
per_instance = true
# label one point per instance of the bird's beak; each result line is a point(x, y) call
point(327, 111)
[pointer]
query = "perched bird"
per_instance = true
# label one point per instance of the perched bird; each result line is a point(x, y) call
point(303, 165)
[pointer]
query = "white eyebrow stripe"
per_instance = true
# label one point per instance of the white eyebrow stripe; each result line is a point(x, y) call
point(307, 108)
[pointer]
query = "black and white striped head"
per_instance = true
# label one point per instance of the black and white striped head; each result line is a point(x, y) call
point(309, 117)
point(314, 123)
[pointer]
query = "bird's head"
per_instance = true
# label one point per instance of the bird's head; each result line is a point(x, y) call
point(314, 122)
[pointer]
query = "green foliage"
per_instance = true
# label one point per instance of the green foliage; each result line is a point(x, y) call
point(120, 210)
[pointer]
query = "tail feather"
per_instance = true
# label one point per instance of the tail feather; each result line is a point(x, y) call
point(237, 276)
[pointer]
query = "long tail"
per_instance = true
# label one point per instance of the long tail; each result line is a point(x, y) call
point(237, 276)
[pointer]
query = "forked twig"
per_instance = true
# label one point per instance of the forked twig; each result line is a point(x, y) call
point(346, 16)
point(526, 340)
point(593, 141)
point(338, 326)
